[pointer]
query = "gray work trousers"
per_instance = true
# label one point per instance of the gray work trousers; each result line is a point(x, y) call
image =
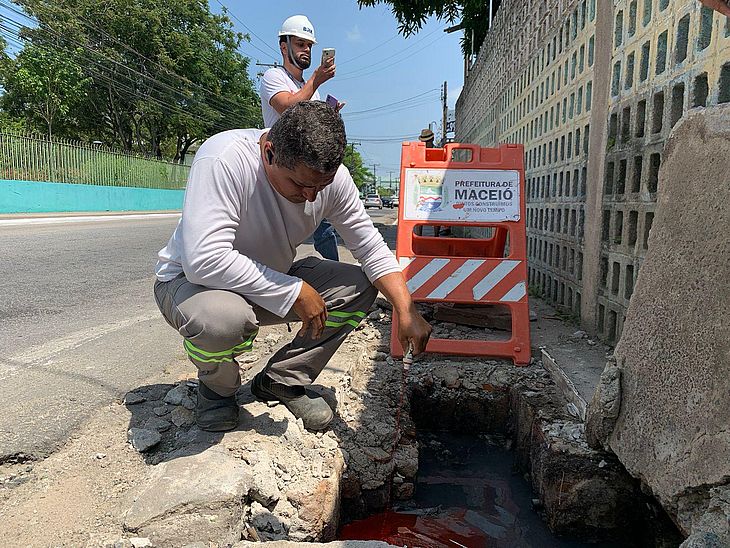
point(218, 325)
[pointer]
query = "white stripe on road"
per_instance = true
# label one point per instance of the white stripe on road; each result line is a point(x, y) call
point(493, 278)
point(515, 294)
point(44, 353)
point(84, 219)
point(426, 273)
point(459, 275)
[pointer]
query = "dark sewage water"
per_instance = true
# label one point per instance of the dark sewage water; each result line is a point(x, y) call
point(466, 495)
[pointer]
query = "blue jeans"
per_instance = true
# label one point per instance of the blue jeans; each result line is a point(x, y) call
point(325, 241)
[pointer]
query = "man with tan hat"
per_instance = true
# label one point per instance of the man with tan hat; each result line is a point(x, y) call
point(427, 137)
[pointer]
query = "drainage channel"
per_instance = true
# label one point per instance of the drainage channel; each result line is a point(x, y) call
point(502, 463)
point(467, 494)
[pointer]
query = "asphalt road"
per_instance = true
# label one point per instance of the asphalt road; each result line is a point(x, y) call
point(78, 323)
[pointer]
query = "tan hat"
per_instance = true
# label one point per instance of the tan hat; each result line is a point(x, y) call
point(426, 135)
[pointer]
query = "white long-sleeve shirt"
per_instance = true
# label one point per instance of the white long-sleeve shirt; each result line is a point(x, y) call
point(238, 233)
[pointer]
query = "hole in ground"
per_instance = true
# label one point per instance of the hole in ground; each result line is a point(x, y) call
point(502, 463)
point(467, 494)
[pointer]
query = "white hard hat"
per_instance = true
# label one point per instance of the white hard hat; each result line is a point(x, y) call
point(299, 26)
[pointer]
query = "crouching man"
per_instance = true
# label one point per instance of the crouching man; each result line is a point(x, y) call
point(252, 198)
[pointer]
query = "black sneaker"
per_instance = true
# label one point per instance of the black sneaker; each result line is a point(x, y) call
point(314, 411)
point(215, 413)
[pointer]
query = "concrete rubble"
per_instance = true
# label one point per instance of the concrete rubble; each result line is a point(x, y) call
point(272, 481)
point(662, 405)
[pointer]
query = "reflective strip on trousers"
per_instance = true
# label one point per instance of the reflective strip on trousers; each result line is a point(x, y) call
point(345, 318)
point(223, 356)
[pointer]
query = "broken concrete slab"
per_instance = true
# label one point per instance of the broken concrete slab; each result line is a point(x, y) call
point(605, 406)
point(190, 497)
point(672, 429)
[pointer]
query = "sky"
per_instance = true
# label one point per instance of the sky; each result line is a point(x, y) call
point(376, 67)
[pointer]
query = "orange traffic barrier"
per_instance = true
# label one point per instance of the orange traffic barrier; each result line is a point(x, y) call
point(463, 185)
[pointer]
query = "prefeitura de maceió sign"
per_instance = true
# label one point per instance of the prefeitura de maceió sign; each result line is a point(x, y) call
point(476, 195)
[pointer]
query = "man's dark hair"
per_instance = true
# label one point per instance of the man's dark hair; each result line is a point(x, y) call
point(309, 133)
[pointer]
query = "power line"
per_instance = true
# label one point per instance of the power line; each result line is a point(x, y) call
point(351, 59)
point(391, 111)
point(228, 11)
point(393, 103)
point(129, 88)
point(176, 91)
point(142, 56)
point(45, 27)
point(349, 75)
point(381, 69)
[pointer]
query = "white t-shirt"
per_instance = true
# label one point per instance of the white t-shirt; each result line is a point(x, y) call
point(275, 80)
point(238, 233)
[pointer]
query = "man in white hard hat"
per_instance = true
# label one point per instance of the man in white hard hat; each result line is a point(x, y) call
point(283, 86)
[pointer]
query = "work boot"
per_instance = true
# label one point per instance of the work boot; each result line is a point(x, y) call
point(215, 413)
point(315, 413)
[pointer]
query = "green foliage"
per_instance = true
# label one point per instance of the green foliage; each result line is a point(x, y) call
point(43, 86)
point(353, 162)
point(472, 14)
point(158, 75)
point(385, 191)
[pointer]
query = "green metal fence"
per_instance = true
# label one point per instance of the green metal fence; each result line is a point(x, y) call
point(33, 158)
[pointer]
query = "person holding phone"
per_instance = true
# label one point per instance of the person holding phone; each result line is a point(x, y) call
point(283, 86)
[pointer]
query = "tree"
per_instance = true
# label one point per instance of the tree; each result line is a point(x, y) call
point(472, 14)
point(164, 74)
point(353, 162)
point(43, 86)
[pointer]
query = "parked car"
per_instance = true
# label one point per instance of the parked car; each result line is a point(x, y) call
point(394, 202)
point(373, 200)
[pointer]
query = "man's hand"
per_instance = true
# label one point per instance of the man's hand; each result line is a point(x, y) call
point(312, 310)
point(413, 331)
point(323, 72)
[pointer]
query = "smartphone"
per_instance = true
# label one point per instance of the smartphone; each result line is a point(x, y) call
point(331, 101)
point(327, 54)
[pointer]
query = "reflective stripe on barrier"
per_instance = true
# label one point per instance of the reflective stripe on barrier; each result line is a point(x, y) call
point(465, 279)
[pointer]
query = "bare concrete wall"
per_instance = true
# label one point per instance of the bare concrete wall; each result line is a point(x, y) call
point(673, 428)
point(596, 166)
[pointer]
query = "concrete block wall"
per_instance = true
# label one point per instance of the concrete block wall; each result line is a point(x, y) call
point(592, 89)
point(667, 59)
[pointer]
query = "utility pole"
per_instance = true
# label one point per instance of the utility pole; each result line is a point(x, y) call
point(444, 104)
point(375, 179)
point(351, 167)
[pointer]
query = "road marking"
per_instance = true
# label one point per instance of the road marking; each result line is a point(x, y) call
point(85, 219)
point(44, 353)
